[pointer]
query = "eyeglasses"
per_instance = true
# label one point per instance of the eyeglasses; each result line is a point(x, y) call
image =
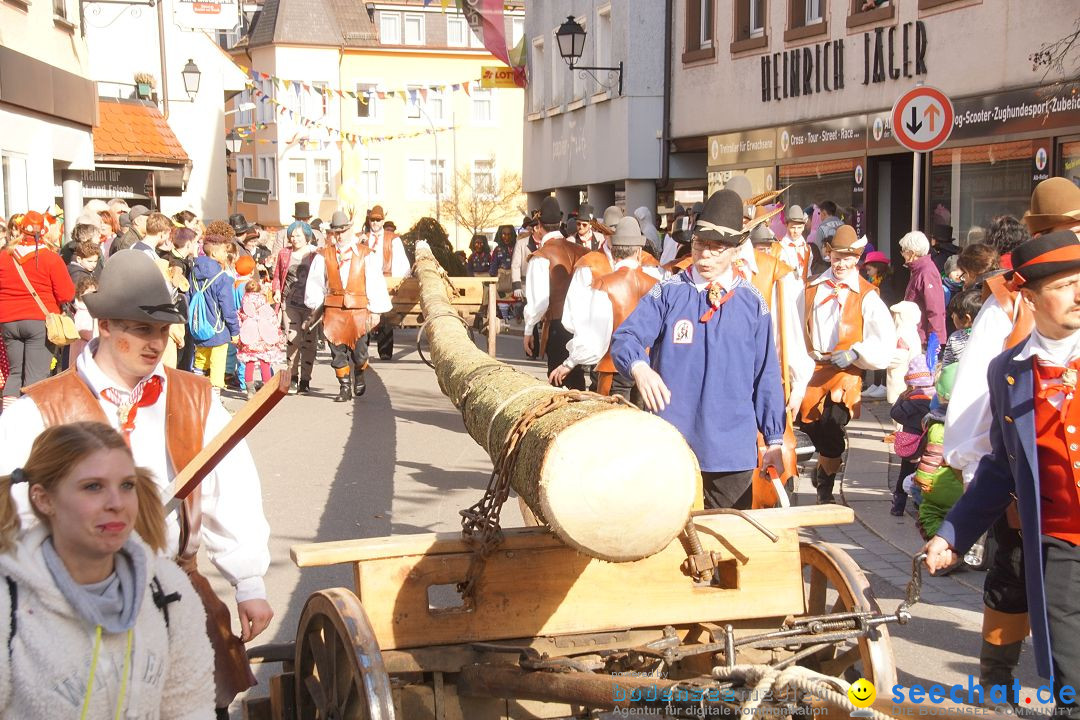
point(715, 248)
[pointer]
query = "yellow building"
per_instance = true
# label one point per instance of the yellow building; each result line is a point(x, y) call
point(395, 65)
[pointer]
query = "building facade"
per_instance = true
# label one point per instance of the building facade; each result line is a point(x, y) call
point(373, 107)
point(798, 93)
point(47, 106)
point(582, 136)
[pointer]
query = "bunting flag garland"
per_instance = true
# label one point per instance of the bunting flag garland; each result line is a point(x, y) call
point(300, 87)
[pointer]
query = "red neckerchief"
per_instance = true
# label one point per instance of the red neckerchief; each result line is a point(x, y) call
point(145, 393)
point(835, 294)
point(717, 296)
point(1054, 380)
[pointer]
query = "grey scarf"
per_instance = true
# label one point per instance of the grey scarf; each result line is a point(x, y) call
point(112, 603)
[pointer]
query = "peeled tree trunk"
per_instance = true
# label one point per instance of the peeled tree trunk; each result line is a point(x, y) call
point(611, 481)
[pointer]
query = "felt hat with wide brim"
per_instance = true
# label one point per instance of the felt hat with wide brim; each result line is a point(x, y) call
point(550, 212)
point(628, 233)
point(376, 213)
point(721, 220)
point(612, 215)
point(846, 241)
point(1056, 201)
point(1044, 256)
point(239, 224)
point(132, 288)
point(339, 221)
point(795, 214)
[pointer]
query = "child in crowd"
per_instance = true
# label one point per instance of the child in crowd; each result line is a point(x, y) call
point(261, 341)
point(85, 325)
point(952, 278)
point(209, 277)
point(909, 410)
point(84, 260)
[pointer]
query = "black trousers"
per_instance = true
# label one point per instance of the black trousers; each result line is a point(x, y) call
point(384, 339)
point(1061, 573)
point(827, 432)
point(728, 489)
point(343, 356)
point(1004, 585)
point(556, 351)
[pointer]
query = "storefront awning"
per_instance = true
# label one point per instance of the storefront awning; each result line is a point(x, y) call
point(135, 132)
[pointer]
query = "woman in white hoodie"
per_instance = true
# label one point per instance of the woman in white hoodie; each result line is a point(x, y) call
point(94, 623)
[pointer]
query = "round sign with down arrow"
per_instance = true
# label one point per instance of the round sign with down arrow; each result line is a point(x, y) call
point(922, 119)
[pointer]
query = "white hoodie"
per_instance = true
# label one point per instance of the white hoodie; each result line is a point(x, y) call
point(44, 675)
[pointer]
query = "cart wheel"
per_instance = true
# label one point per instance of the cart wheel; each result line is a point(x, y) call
point(834, 583)
point(339, 669)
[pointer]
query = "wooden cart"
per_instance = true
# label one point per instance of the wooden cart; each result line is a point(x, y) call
point(554, 633)
point(474, 299)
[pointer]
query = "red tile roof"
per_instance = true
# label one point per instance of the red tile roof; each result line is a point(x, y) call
point(135, 132)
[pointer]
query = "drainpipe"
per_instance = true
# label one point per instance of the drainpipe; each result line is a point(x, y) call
point(665, 141)
point(161, 47)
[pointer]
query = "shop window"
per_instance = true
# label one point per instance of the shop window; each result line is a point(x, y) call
point(700, 15)
point(866, 12)
point(1069, 166)
point(971, 186)
point(813, 183)
point(806, 19)
point(750, 22)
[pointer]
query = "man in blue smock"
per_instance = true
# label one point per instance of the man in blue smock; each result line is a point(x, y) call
point(700, 348)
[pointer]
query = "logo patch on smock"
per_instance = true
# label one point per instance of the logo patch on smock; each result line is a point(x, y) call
point(683, 333)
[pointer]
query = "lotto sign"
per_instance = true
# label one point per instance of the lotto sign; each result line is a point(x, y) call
point(922, 119)
point(497, 76)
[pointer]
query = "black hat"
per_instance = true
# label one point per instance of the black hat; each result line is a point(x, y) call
point(239, 224)
point(132, 288)
point(721, 219)
point(550, 212)
point(585, 213)
point(301, 211)
point(1041, 257)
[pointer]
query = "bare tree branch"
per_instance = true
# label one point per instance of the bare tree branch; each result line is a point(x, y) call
point(1056, 55)
point(482, 208)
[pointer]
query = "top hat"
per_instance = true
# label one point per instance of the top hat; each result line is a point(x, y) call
point(846, 242)
point(301, 210)
point(1044, 256)
point(550, 213)
point(1055, 201)
point(239, 224)
point(628, 233)
point(339, 221)
point(795, 214)
point(132, 287)
point(376, 213)
point(585, 213)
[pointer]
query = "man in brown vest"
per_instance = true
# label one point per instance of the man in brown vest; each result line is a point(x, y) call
point(848, 330)
point(166, 416)
point(388, 248)
point(546, 283)
point(346, 278)
point(610, 300)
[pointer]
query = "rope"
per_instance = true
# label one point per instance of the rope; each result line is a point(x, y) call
point(803, 681)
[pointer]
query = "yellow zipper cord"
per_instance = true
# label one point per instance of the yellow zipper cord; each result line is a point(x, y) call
point(93, 671)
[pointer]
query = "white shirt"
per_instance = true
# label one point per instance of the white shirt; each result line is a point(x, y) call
point(234, 529)
point(399, 261)
point(537, 286)
point(800, 365)
point(795, 253)
point(579, 293)
point(968, 417)
point(375, 284)
point(876, 348)
point(670, 250)
point(592, 319)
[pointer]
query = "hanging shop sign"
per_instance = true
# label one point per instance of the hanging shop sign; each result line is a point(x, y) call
point(1052, 107)
point(742, 148)
point(107, 183)
point(195, 15)
point(497, 76)
point(826, 137)
point(887, 54)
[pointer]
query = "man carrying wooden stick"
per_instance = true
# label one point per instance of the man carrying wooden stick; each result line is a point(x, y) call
point(166, 416)
point(711, 367)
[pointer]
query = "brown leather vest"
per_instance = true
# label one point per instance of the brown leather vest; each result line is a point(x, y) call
point(65, 398)
point(625, 287)
point(388, 253)
point(677, 266)
point(851, 319)
point(1009, 300)
point(345, 319)
point(770, 269)
point(597, 262)
point(561, 255)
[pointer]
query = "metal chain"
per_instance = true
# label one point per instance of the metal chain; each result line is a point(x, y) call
point(913, 591)
point(480, 521)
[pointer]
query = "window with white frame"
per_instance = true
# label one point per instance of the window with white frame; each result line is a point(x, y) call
point(389, 28)
point(412, 102)
point(414, 29)
point(324, 184)
point(245, 117)
point(483, 106)
point(475, 39)
point(298, 176)
point(367, 102)
point(757, 18)
point(705, 31)
point(435, 105)
point(268, 171)
point(483, 177)
point(457, 31)
point(813, 12)
point(264, 109)
point(436, 177)
point(244, 169)
point(60, 9)
point(371, 176)
point(603, 36)
point(14, 184)
point(536, 89)
point(517, 30)
point(316, 103)
point(414, 177)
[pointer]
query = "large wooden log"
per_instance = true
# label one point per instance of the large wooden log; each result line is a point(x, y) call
point(611, 481)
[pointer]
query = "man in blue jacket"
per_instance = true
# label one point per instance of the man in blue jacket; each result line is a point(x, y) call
point(1035, 457)
point(699, 346)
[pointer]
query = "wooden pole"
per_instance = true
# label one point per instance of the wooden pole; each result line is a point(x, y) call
point(613, 482)
point(492, 294)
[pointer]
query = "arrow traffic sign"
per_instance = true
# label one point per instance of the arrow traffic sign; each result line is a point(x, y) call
point(922, 119)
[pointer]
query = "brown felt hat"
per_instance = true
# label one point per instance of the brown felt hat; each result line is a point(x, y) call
point(376, 213)
point(1055, 201)
point(846, 241)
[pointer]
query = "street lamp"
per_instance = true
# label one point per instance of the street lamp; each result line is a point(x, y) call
point(242, 107)
point(192, 78)
point(571, 39)
point(233, 142)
